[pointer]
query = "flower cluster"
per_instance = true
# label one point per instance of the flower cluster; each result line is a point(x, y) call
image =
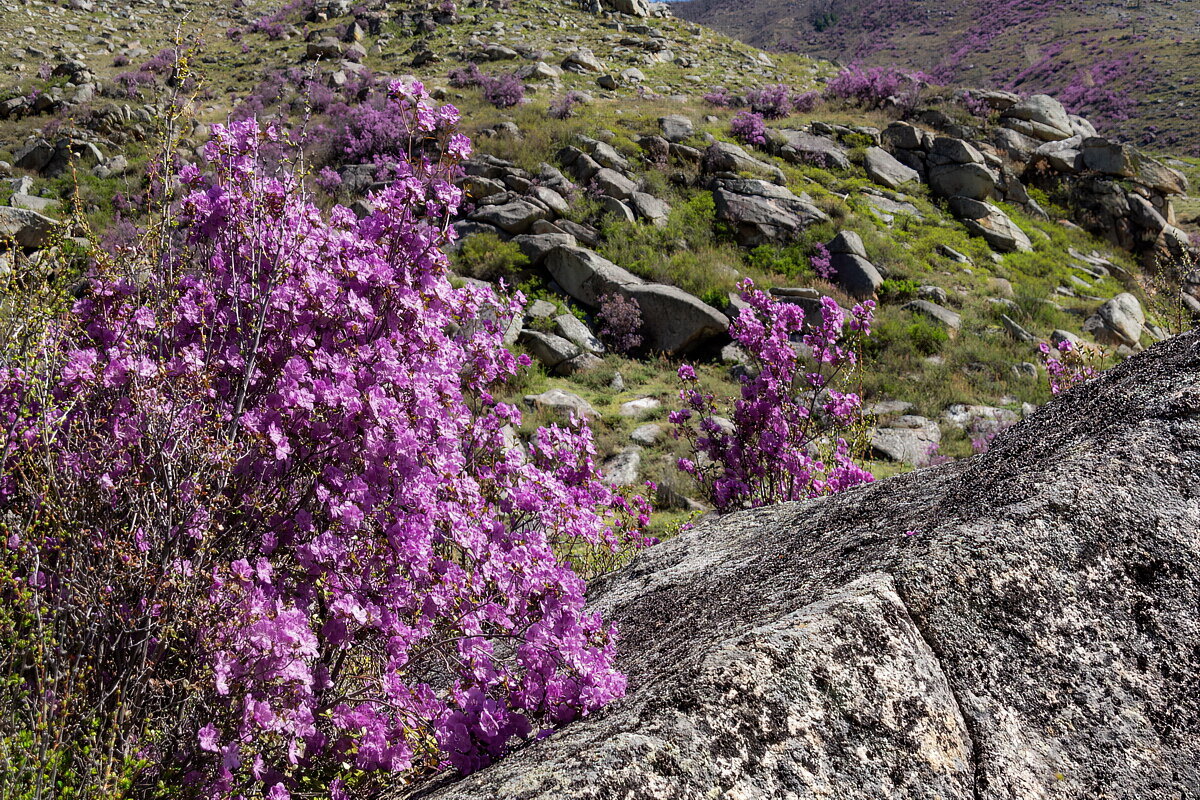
point(780, 441)
point(822, 263)
point(748, 128)
point(502, 91)
point(564, 107)
point(1069, 365)
point(276, 458)
point(621, 322)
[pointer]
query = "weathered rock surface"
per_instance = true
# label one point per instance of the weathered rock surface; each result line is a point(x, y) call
point(988, 221)
point(885, 170)
point(673, 320)
point(1015, 626)
point(763, 213)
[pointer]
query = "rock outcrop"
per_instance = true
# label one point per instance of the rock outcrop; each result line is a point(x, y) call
point(1018, 625)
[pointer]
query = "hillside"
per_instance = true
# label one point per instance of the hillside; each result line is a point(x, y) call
point(304, 305)
point(953, 357)
point(1131, 67)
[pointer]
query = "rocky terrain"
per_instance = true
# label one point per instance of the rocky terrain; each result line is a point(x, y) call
point(1129, 66)
point(1018, 626)
point(980, 237)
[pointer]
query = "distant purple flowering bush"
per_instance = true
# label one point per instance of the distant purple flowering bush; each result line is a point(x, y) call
point(822, 263)
point(871, 87)
point(503, 91)
point(772, 102)
point(747, 127)
point(789, 402)
point(719, 97)
point(564, 107)
point(1068, 365)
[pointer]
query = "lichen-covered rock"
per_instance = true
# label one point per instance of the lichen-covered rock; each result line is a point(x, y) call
point(1015, 626)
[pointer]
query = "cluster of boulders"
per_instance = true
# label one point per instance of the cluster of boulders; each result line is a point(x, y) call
point(532, 210)
point(80, 86)
point(1112, 189)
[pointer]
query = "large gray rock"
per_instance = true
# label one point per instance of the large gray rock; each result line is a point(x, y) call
point(586, 275)
point(974, 181)
point(613, 184)
point(806, 148)
point(939, 314)
point(547, 348)
point(763, 213)
point(676, 128)
point(514, 217)
point(908, 440)
point(673, 321)
point(1039, 116)
point(1017, 626)
point(887, 171)
point(1119, 321)
point(855, 274)
point(635, 8)
point(27, 228)
point(562, 403)
point(990, 223)
point(727, 157)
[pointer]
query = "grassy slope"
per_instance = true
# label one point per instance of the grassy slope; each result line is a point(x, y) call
point(908, 360)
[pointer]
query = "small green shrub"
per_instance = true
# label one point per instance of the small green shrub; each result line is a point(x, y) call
point(898, 290)
point(487, 257)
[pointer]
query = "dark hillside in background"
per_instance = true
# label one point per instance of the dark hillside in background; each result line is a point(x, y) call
point(1130, 65)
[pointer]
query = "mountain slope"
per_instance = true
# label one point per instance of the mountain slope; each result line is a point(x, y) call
point(1129, 66)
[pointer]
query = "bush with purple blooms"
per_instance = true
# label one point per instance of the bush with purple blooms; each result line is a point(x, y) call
point(503, 91)
point(621, 322)
point(789, 406)
point(263, 531)
point(822, 263)
point(1068, 365)
point(871, 87)
point(773, 102)
point(719, 97)
point(564, 107)
point(466, 77)
point(748, 128)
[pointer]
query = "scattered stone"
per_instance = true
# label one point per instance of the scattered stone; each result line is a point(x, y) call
point(939, 314)
point(636, 408)
point(563, 403)
point(624, 468)
point(648, 434)
point(1119, 321)
point(908, 440)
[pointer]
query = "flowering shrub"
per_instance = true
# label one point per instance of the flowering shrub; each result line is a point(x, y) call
point(621, 322)
point(1068, 366)
point(747, 127)
point(719, 97)
point(976, 106)
point(503, 91)
point(466, 77)
point(258, 479)
point(872, 86)
point(822, 263)
point(788, 404)
point(564, 107)
point(773, 102)
point(805, 102)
